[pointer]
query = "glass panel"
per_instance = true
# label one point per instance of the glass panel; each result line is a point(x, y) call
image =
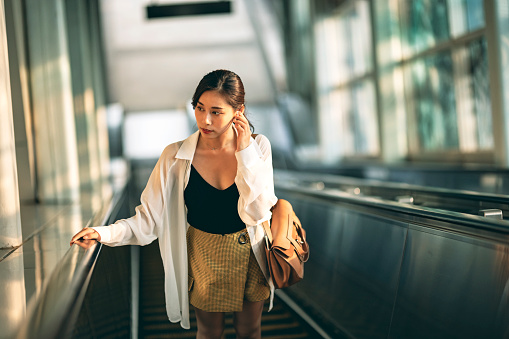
point(359, 121)
point(354, 39)
point(327, 53)
point(424, 24)
point(434, 102)
point(393, 113)
point(475, 14)
point(465, 16)
point(457, 17)
point(481, 93)
point(473, 97)
point(388, 42)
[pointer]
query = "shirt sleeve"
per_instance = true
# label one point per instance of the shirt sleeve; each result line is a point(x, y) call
point(141, 229)
point(255, 181)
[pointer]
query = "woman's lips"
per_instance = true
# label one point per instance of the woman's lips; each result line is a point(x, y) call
point(206, 131)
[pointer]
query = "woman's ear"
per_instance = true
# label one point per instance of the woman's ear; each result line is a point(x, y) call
point(242, 109)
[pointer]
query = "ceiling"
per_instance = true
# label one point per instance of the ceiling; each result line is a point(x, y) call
point(155, 64)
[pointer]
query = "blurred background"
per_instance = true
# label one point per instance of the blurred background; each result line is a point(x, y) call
point(413, 92)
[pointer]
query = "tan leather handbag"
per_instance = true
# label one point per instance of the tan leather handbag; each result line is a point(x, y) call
point(285, 245)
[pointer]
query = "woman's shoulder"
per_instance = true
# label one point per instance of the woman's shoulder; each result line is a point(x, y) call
point(169, 154)
point(261, 140)
point(171, 150)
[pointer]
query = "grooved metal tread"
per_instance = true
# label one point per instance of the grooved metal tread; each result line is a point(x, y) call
point(280, 322)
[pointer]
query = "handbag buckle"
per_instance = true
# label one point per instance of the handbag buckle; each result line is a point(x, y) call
point(243, 238)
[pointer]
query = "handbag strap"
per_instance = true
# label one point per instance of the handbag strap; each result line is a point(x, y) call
point(268, 233)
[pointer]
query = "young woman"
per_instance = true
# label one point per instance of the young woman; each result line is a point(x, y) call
point(205, 201)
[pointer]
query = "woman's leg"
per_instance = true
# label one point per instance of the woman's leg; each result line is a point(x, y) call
point(248, 323)
point(210, 324)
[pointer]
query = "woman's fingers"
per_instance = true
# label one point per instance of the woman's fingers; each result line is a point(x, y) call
point(243, 131)
point(86, 233)
point(86, 244)
point(241, 121)
point(79, 235)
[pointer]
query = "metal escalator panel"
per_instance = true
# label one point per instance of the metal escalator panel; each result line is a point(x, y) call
point(388, 270)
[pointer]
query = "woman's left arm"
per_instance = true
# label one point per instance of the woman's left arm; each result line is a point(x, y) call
point(255, 181)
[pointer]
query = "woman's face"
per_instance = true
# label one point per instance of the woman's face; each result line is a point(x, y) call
point(213, 114)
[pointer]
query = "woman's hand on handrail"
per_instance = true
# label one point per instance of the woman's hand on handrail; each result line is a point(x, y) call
point(86, 234)
point(86, 244)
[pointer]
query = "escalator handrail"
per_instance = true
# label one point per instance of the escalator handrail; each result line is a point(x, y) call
point(53, 313)
point(455, 222)
point(343, 180)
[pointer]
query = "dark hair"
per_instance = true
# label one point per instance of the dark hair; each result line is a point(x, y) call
point(226, 83)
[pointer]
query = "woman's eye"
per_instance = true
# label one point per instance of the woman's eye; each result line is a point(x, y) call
point(216, 113)
point(200, 109)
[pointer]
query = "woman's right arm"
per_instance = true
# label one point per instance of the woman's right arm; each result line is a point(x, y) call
point(140, 229)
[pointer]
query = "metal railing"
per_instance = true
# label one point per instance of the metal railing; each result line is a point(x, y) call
point(53, 312)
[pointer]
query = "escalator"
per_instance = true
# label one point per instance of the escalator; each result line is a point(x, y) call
point(280, 322)
point(379, 268)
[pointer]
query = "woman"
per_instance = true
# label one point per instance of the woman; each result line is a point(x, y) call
point(205, 201)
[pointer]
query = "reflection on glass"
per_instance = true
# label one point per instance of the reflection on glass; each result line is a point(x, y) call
point(433, 102)
point(473, 97)
point(465, 16)
point(12, 294)
point(481, 93)
point(354, 38)
point(327, 52)
point(388, 43)
point(475, 14)
point(333, 140)
point(425, 23)
point(357, 109)
point(393, 114)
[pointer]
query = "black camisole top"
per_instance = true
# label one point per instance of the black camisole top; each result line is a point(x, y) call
point(210, 209)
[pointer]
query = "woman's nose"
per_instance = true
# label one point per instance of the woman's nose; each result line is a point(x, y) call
point(208, 121)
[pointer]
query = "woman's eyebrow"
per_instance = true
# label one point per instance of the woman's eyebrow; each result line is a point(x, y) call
point(215, 107)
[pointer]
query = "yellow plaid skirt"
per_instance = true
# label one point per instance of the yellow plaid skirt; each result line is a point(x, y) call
point(223, 271)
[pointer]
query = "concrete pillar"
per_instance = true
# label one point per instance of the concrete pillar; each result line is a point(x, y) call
point(52, 102)
point(20, 94)
point(10, 222)
point(99, 85)
point(88, 91)
point(83, 93)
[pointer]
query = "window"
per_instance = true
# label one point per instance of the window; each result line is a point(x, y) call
point(346, 82)
point(446, 80)
point(425, 78)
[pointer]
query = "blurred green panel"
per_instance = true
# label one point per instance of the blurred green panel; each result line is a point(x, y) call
point(433, 102)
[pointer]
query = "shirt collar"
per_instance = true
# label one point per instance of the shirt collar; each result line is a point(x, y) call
point(188, 147)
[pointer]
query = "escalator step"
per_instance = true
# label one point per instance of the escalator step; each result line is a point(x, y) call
point(280, 322)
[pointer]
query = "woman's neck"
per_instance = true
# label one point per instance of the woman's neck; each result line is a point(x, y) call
point(221, 142)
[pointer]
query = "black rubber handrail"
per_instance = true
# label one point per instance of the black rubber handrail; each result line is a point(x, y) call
point(454, 200)
point(450, 221)
point(53, 313)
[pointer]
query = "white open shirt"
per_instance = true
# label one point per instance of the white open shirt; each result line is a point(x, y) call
point(162, 214)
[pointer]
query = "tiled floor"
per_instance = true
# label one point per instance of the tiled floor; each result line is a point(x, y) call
point(47, 230)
